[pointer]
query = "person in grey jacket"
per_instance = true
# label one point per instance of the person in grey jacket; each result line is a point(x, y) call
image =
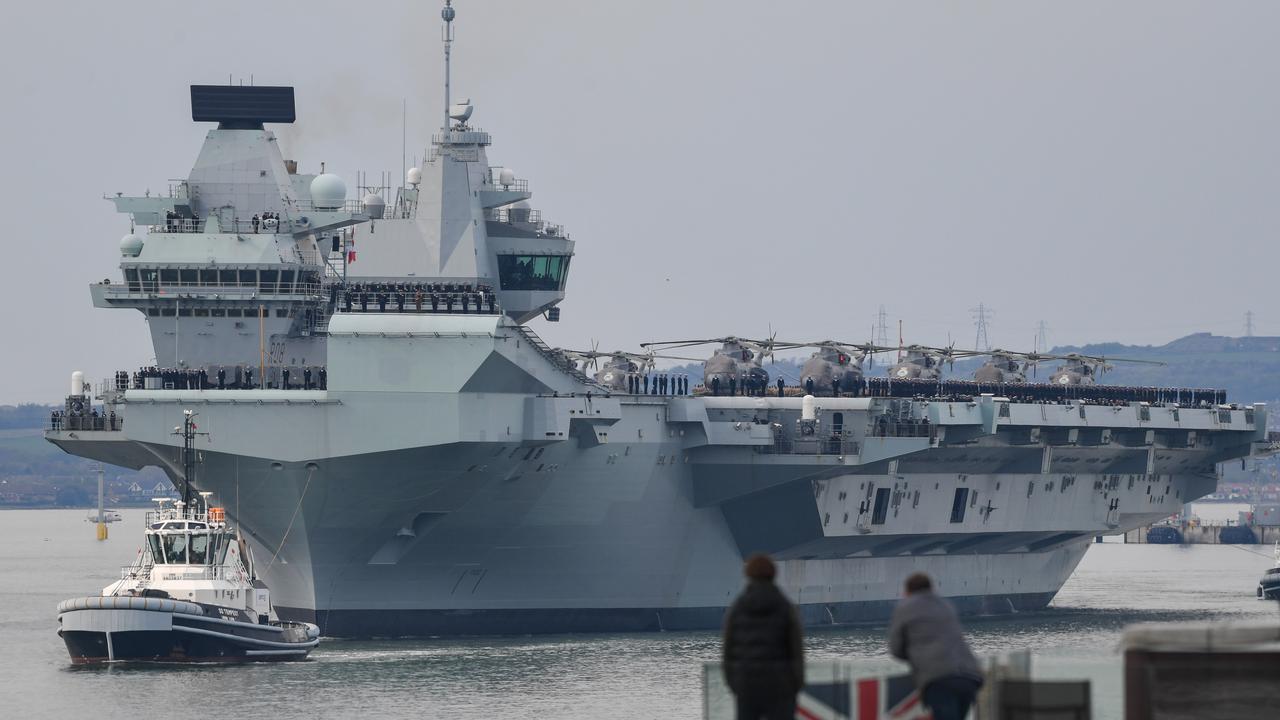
point(925, 632)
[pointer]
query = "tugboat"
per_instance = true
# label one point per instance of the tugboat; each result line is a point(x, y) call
point(190, 596)
point(1269, 585)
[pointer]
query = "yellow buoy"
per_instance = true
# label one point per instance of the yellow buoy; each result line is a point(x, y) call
point(102, 531)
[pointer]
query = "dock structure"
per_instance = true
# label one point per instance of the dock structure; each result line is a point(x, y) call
point(1191, 533)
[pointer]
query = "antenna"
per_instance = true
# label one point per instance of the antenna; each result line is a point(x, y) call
point(447, 14)
point(981, 316)
point(1042, 337)
point(404, 137)
point(1248, 323)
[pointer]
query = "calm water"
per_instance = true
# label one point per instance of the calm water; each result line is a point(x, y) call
point(49, 555)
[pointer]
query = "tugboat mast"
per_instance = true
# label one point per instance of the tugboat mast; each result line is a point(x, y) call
point(188, 433)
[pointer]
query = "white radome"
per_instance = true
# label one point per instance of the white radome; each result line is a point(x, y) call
point(374, 205)
point(507, 176)
point(131, 245)
point(328, 192)
point(414, 176)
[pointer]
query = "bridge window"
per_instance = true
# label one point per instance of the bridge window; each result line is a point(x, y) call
point(188, 276)
point(286, 281)
point(168, 277)
point(267, 281)
point(131, 277)
point(248, 278)
point(208, 277)
point(958, 505)
point(532, 272)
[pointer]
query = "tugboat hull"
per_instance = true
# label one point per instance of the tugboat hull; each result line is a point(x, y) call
point(129, 629)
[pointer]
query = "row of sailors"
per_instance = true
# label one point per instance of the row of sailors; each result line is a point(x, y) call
point(94, 420)
point(751, 386)
point(224, 377)
point(658, 384)
point(414, 297)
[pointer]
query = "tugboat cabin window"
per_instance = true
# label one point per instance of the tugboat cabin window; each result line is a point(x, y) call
point(175, 548)
point(532, 272)
point(157, 552)
point(199, 549)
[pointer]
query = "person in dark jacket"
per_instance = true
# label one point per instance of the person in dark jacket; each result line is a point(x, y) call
point(763, 649)
point(925, 632)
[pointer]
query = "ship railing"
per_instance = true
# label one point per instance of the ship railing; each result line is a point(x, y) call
point(62, 421)
point(558, 359)
point(204, 290)
point(194, 572)
point(231, 377)
point(179, 189)
point(884, 426)
point(815, 446)
point(136, 572)
point(519, 185)
point(462, 137)
point(514, 215)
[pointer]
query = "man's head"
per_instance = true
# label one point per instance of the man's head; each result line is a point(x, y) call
point(918, 583)
point(760, 567)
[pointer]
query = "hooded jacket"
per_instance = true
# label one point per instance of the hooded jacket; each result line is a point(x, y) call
point(763, 644)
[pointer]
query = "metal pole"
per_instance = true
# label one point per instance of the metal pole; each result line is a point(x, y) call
point(102, 526)
point(262, 349)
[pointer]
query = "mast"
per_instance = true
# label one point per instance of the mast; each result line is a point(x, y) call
point(188, 433)
point(188, 459)
point(447, 15)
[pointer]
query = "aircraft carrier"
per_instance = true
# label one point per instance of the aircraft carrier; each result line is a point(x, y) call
point(408, 458)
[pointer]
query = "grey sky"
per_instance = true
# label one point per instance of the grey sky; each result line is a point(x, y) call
point(1106, 167)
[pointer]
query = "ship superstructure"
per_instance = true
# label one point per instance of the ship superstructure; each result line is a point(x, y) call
point(416, 461)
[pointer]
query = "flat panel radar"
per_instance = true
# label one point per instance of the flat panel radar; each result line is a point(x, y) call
point(239, 107)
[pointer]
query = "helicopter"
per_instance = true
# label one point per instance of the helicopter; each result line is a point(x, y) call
point(1006, 366)
point(836, 362)
point(925, 363)
point(619, 367)
point(1078, 369)
point(735, 365)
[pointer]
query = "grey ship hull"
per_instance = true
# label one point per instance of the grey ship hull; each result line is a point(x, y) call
point(454, 480)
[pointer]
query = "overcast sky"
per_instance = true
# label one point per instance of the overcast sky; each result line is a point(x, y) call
point(1109, 168)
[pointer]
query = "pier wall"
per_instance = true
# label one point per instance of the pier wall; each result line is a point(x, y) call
point(1206, 534)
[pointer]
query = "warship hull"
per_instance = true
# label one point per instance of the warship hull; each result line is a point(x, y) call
point(501, 496)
